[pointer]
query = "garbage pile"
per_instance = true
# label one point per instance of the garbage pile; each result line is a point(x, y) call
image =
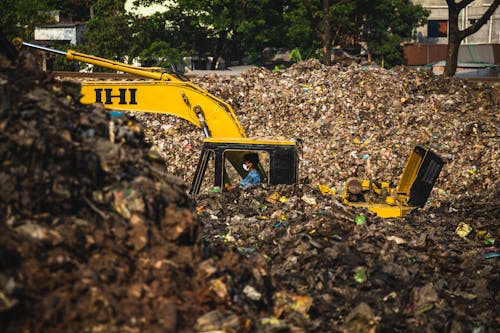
point(355, 120)
point(344, 270)
point(96, 237)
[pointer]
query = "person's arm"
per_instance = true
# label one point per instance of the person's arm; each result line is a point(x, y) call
point(253, 178)
point(231, 187)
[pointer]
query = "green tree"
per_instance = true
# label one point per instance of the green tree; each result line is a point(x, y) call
point(19, 17)
point(109, 33)
point(77, 10)
point(456, 35)
point(113, 33)
point(318, 24)
point(227, 29)
point(382, 25)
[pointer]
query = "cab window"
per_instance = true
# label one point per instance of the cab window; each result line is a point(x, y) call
point(231, 174)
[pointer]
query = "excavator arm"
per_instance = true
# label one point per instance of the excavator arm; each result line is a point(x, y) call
point(177, 98)
point(161, 92)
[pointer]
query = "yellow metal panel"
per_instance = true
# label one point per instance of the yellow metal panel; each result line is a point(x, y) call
point(251, 141)
point(174, 98)
point(118, 66)
point(166, 94)
point(410, 172)
point(387, 211)
point(382, 210)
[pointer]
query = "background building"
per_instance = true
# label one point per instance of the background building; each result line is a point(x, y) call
point(436, 30)
point(479, 52)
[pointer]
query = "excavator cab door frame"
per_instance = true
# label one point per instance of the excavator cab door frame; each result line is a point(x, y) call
point(283, 160)
point(419, 176)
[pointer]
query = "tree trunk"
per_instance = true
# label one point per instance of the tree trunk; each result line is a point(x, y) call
point(221, 42)
point(327, 34)
point(454, 41)
point(455, 36)
point(90, 4)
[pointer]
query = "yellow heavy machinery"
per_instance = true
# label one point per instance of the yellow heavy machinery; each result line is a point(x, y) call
point(163, 92)
point(226, 143)
point(419, 175)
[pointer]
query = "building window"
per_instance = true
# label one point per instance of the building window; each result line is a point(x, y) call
point(437, 28)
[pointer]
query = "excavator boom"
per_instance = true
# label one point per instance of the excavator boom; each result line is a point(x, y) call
point(105, 63)
point(177, 98)
point(161, 93)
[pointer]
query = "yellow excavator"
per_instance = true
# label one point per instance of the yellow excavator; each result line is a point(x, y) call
point(225, 141)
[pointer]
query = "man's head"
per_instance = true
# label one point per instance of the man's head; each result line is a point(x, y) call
point(251, 160)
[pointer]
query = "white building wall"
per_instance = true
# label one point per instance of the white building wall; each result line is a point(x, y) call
point(489, 33)
point(70, 33)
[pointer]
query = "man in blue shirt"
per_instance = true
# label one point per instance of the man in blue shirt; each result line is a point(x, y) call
point(250, 162)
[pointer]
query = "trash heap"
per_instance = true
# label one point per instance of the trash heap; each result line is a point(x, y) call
point(339, 269)
point(96, 237)
point(355, 120)
point(336, 268)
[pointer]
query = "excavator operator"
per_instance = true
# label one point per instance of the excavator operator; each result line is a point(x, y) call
point(250, 161)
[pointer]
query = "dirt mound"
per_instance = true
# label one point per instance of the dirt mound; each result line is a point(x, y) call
point(356, 120)
point(94, 237)
point(351, 272)
point(341, 270)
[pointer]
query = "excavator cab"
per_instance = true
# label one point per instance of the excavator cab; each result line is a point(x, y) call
point(419, 176)
point(279, 167)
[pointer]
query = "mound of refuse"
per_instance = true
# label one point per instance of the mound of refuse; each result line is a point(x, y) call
point(339, 269)
point(355, 120)
point(336, 268)
point(96, 237)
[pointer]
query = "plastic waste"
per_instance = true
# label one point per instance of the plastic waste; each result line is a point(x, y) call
point(309, 200)
point(463, 229)
point(360, 275)
point(215, 189)
point(360, 219)
point(252, 293)
point(484, 236)
point(396, 239)
point(326, 190)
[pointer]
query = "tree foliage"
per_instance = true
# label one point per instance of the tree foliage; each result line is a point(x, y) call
point(109, 33)
point(20, 17)
point(77, 10)
point(227, 29)
point(383, 25)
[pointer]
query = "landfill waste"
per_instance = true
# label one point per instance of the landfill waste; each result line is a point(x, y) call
point(414, 275)
point(355, 121)
point(463, 229)
point(360, 220)
point(95, 236)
